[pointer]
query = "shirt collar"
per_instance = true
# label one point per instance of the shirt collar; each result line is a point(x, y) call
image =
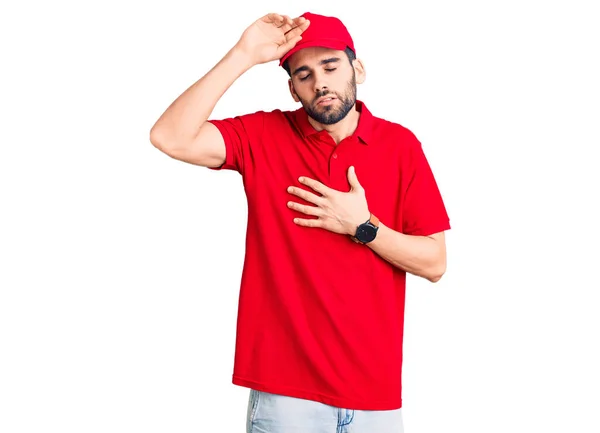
point(363, 130)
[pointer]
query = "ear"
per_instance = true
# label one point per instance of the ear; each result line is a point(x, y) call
point(359, 68)
point(292, 91)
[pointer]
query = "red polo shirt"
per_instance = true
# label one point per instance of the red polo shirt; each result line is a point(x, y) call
point(321, 317)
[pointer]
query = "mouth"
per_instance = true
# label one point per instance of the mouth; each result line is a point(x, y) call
point(327, 100)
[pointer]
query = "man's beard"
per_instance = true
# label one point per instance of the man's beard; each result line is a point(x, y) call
point(330, 114)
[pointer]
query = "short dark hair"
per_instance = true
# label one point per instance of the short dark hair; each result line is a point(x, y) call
point(351, 57)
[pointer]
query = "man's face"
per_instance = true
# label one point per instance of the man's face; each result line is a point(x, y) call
point(319, 74)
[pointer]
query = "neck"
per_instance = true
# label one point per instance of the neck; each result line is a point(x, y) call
point(343, 129)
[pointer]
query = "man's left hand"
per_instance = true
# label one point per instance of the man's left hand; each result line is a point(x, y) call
point(336, 211)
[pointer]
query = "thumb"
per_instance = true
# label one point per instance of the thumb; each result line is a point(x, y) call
point(353, 179)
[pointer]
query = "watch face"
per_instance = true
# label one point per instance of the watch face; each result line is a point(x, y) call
point(366, 233)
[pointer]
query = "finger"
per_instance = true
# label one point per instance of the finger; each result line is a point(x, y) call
point(275, 19)
point(295, 32)
point(300, 26)
point(288, 23)
point(308, 210)
point(299, 20)
point(282, 22)
point(308, 222)
point(316, 185)
point(353, 179)
point(272, 17)
point(306, 195)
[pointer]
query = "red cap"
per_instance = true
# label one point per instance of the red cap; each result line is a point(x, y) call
point(323, 31)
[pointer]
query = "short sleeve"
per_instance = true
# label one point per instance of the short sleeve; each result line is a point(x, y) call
point(424, 212)
point(241, 135)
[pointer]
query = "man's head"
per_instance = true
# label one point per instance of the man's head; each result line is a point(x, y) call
point(324, 65)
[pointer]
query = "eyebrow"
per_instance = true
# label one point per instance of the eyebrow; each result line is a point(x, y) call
point(321, 63)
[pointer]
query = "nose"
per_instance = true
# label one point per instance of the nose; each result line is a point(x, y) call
point(320, 84)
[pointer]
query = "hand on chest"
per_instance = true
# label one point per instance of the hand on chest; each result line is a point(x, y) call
point(326, 166)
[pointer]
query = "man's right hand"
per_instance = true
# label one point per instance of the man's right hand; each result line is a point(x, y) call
point(271, 36)
point(183, 131)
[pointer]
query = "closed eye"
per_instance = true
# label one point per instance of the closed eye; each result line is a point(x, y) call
point(327, 69)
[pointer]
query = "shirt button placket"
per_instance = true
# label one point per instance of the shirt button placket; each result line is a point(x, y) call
point(332, 161)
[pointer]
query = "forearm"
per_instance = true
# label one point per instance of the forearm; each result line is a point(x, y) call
point(419, 255)
point(184, 117)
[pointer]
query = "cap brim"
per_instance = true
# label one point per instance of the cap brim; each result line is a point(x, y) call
point(334, 44)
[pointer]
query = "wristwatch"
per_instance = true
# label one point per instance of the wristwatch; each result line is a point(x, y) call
point(367, 231)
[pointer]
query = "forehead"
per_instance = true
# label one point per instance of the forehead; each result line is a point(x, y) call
point(311, 56)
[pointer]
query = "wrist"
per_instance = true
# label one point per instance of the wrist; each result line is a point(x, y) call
point(366, 231)
point(241, 57)
point(357, 222)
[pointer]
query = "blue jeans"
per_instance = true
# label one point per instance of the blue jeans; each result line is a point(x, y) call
point(273, 413)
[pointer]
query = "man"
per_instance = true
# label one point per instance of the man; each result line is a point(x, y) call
point(341, 204)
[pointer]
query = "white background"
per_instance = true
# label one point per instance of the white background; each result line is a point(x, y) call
point(120, 266)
